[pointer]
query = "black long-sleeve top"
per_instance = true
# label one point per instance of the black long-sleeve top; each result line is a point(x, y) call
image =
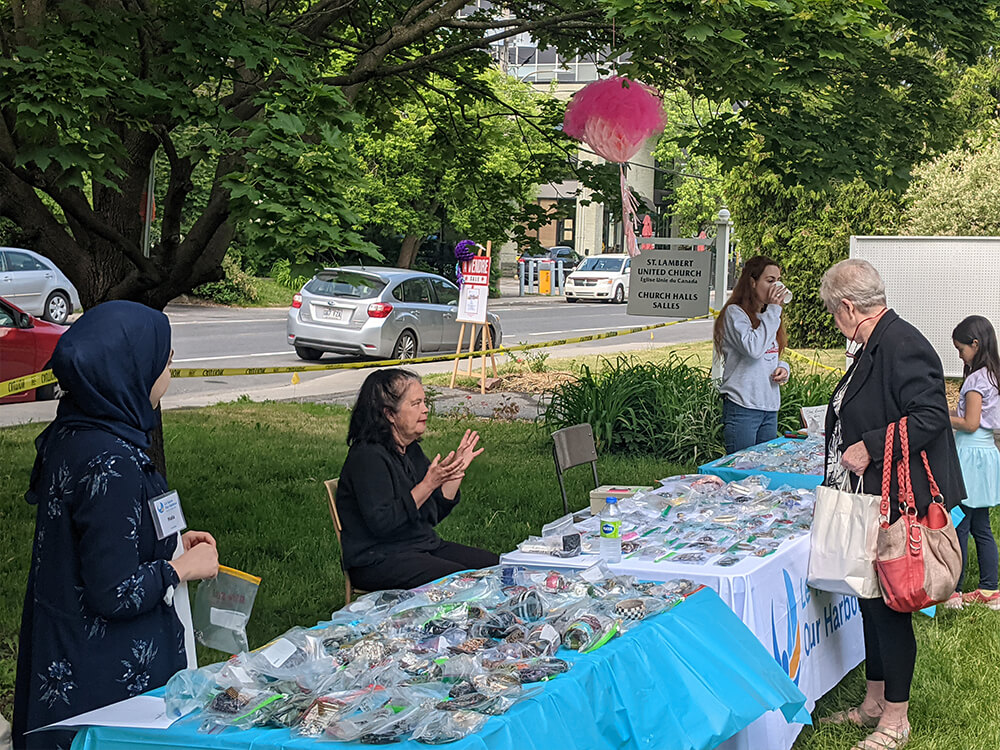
point(376, 506)
point(898, 374)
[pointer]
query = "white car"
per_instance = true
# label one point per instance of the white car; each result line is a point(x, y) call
point(33, 283)
point(603, 277)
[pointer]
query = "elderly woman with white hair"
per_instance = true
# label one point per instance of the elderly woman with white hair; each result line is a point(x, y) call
point(896, 373)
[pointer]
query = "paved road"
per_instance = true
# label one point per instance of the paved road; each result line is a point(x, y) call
point(221, 337)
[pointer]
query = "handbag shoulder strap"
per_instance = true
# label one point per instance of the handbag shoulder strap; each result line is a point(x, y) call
point(904, 437)
point(890, 434)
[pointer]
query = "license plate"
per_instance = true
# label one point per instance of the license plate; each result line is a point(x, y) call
point(331, 313)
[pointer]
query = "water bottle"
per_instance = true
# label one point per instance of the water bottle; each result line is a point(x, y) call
point(611, 532)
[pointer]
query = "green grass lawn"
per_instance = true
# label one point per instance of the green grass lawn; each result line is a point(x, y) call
point(252, 475)
point(270, 293)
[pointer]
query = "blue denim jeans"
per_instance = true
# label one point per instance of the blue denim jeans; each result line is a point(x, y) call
point(977, 522)
point(742, 427)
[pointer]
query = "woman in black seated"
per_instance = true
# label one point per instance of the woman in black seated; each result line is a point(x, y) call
point(390, 497)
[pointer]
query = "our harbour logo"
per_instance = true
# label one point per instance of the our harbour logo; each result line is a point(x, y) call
point(790, 658)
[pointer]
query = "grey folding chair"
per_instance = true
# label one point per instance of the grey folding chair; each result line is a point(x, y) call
point(573, 446)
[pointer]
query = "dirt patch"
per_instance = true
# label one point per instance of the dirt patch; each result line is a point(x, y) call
point(531, 382)
point(952, 386)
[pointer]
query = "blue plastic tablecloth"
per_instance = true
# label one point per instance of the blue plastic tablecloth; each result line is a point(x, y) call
point(804, 481)
point(683, 680)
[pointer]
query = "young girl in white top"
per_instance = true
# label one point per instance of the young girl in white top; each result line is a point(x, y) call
point(978, 414)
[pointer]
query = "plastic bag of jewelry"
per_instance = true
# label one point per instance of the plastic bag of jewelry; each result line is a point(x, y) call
point(190, 689)
point(376, 605)
point(506, 653)
point(526, 603)
point(541, 669)
point(235, 707)
point(441, 727)
point(327, 709)
point(222, 608)
point(590, 631)
point(543, 639)
point(495, 624)
point(461, 666)
point(299, 651)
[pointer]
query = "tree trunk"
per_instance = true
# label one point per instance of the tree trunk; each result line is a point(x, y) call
point(408, 252)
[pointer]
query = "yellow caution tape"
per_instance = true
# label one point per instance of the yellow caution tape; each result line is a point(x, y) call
point(27, 382)
point(813, 362)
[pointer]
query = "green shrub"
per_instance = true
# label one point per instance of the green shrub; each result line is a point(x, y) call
point(811, 388)
point(669, 410)
point(235, 288)
point(806, 232)
point(281, 271)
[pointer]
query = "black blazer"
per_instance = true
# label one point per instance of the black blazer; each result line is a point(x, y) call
point(899, 374)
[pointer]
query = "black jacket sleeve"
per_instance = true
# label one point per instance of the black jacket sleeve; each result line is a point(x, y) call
point(916, 383)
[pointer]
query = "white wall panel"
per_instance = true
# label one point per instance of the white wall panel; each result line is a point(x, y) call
point(935, 282)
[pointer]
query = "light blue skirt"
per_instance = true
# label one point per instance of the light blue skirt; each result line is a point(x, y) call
point(980, 460)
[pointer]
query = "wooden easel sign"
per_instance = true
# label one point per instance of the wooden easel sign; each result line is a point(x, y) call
point(473, 297)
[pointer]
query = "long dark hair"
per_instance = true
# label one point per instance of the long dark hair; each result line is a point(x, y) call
point(743, 296)
point(380, 393)
point(978, 328)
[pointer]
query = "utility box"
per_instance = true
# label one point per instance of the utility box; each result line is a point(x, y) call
point(598, 497)
point(545, 276)
point(935, 282)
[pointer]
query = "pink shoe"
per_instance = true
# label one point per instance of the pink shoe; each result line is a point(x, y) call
point(981, 597)
point(955, 601)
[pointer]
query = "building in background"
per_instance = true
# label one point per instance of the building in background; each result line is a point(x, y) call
point(589, 228)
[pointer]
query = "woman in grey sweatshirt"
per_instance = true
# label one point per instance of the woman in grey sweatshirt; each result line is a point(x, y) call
point(750, 337)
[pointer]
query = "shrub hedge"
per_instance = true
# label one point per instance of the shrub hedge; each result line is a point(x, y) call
point(671, 410)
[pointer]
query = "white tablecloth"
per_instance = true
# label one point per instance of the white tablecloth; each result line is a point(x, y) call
point(814, 635)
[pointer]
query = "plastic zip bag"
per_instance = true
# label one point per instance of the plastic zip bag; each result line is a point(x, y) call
point(222, 608)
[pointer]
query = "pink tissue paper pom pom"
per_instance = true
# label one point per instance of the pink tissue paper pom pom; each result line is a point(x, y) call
point(614, 116)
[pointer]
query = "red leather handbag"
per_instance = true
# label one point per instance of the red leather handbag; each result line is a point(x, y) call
point(918, 559)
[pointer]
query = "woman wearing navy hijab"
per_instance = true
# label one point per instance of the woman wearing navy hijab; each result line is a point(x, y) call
point(99, 624)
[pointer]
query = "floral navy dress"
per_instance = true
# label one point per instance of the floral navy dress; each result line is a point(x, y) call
point(98, 624)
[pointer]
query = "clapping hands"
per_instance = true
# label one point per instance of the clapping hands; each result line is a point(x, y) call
point(451, 468)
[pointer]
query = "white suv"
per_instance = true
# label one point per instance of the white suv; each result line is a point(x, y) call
point(33, 283)
point(603, 277)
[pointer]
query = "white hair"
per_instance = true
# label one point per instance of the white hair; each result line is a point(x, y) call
point(855, 280)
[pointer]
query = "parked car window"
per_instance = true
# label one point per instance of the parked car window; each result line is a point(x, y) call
point(628, 264)
point(597, 263)
point(6, 319)
point(23, 262)
point(447, 293)
point(345, 284)
point(413, 290)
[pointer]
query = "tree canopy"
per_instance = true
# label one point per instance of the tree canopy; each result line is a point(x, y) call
point(247, 107)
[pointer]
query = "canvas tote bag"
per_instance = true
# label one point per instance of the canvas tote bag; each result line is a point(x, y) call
point(843, 542)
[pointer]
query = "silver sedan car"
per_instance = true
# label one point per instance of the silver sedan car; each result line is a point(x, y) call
point(33, 283)
point(388, 313)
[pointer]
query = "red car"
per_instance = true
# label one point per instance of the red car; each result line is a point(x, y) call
point(26, 344)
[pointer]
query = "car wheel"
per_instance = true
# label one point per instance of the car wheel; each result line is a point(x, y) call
point(57, 308)
point(572, 299)
point(619, 295)
point(406, 346)
point(308, 353)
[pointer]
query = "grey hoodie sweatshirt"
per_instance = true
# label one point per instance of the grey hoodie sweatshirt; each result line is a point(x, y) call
point(751, 357)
